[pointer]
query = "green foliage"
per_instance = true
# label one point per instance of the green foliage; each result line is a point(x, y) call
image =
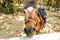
point(6, 11)
point(8, 1)
point(10, 8)
point(59, 4)
point(1, 11)
point(20, 9)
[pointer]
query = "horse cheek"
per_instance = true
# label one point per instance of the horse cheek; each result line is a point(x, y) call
point(38, 28)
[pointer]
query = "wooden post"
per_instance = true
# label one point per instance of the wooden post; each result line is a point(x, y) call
point(15, 11)
point(56, 4)
point(40, 3)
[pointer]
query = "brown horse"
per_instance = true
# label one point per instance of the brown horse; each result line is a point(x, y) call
point(33, 21)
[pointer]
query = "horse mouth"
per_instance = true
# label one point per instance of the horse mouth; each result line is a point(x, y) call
point(29, 35)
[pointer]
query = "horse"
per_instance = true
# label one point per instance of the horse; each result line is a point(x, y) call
point(33, 21)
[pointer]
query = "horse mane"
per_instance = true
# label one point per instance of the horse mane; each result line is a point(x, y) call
point(30, 3)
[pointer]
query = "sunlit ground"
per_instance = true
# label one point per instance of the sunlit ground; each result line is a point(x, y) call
point(11, 26)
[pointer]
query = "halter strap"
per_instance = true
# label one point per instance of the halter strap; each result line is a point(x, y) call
point(31, 21)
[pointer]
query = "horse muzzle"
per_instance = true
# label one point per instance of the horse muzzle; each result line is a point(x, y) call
point(29, 31)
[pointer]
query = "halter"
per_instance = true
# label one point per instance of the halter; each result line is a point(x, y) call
point(31, 21)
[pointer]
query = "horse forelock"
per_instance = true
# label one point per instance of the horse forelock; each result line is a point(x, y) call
point(30, 9)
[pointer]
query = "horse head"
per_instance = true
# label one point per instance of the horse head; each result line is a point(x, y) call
point(31, 21)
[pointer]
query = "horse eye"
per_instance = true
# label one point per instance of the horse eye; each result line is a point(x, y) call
point(23, 11)
point(36, 12)
point(33, 28)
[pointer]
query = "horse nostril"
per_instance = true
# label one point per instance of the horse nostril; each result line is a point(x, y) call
point(25, 30)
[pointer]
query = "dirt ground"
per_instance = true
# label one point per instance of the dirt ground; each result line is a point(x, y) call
point(11, 26)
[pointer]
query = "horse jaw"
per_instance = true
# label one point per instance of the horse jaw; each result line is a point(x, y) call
point(30, 8)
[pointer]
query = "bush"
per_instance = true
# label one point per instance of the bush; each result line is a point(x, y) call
point(9, 10)
point(19, 9)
